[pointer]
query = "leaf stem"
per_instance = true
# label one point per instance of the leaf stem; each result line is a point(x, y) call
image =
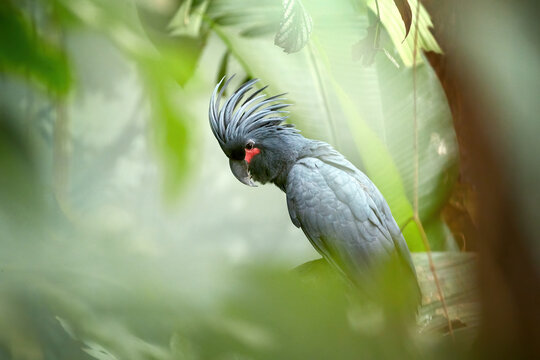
point(376, 38)
point(216, 28)
point(324, 96)
point(416, 178)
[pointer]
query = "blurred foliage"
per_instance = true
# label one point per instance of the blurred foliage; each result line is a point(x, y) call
point(26, 52)
point(72, 288)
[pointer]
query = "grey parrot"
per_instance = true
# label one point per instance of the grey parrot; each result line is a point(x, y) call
point(340, 210)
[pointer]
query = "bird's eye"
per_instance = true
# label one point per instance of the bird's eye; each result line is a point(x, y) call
point(249, 145)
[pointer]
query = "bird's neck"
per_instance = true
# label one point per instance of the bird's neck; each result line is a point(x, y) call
point(281, 180)
point(297, 148)
point(309, 148)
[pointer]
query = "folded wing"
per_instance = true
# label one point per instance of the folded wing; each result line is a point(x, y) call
point(344, 215)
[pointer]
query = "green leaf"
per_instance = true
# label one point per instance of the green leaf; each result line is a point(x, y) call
point(142, 33)
point(139, 32)
point(295, 28)
point(172, 136)
point(188, 19)
point(27, 53)
point(180, 41)
point(454, 272)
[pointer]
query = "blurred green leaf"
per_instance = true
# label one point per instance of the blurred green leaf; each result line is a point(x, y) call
point(180, 41)
point(455, 272)
point(172, 135)
point(188, 19)
point(26, 52)
point(142, 33)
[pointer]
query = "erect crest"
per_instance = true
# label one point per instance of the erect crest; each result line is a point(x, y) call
point(236, 118)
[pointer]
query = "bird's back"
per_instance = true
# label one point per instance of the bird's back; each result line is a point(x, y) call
point(343, 214)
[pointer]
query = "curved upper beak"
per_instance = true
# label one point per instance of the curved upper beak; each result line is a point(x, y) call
point(240, 170)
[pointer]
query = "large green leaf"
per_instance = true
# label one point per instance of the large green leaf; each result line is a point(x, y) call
point(367, 112)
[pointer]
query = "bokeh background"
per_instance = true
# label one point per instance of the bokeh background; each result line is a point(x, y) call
point(123, 234)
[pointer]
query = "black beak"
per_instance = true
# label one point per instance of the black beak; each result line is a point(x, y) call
point(240, 169)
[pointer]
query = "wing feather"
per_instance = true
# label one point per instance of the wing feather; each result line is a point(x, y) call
point(343, 215)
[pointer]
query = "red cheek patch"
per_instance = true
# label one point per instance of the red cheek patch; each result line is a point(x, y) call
point(251, 153)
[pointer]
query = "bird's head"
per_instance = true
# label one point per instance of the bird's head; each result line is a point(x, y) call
point(250, 130)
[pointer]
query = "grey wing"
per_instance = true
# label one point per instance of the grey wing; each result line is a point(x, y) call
point(338, 216)
point(387, 219)
point(330, 156)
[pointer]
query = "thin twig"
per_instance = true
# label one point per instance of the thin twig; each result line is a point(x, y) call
point(434, 272)
point(320, 84)
point(219, 32)
point(416, 177)
point(405, 224)
point(376, 38)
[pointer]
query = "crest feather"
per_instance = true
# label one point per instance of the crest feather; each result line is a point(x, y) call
point(236, 118)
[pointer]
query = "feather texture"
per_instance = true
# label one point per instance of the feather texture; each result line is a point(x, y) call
point(236, 119)
point(342, 212)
